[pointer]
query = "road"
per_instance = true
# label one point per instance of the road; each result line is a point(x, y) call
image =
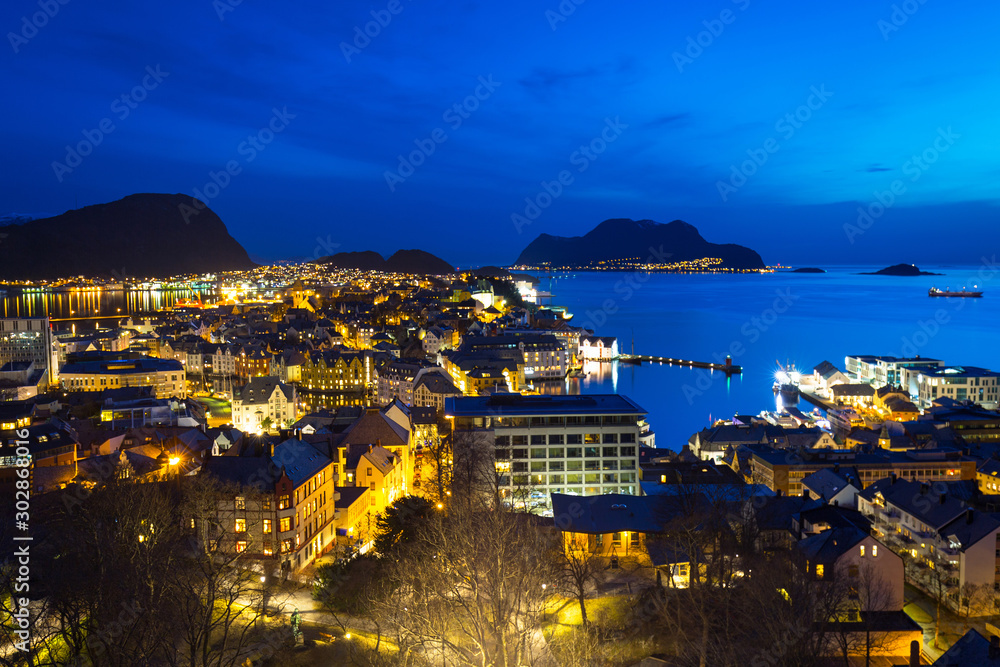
point(922, 609)
point(219, 411)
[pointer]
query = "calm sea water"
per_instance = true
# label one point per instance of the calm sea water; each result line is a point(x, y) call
point(764, 320)
point(761, 319)
point(89, 308)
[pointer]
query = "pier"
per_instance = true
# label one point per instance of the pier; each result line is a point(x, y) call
point(729, 368)
point(815, 399)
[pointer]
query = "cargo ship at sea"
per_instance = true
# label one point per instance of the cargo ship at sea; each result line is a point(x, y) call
point(934, 291)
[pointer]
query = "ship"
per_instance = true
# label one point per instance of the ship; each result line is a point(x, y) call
point(934, 291)
point(844, 419)
point(786, 384)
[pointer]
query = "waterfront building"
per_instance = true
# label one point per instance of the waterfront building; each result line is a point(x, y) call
point(882, 370)
point(598, 348)
point(960, 383)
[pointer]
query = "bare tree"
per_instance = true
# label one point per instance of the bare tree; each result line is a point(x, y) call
point(577, 570)
point(476, 476)
point(104, 573)
point(863, 594)
point(472, 588)
point(219, 590)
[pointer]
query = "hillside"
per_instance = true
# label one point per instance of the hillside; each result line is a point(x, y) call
point(417, 262)
point(140, 236)
point(643, 240)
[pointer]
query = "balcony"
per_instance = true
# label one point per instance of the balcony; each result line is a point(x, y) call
point(887, 515)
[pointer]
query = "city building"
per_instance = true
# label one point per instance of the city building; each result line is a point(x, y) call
point(598, 348)
point(430, 389)
point(960, 383)
point(936, 528)
point(150, 412)
point(826, 375)
point(882, 370)
point(264, 398)
point(337, 371)
point(166, 376)
point(29, 339)
point(784, 469)
point(578, 445)
point(283, 507)
point(396, 379)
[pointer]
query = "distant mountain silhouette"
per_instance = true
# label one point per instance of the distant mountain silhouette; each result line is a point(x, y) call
point(808, 269)
point(140, 236)
point(646, 240)
point(418, 262)
point(901, 270)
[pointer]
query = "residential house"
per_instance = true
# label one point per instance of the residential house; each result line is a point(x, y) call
point(937, 529)
point(264, 398)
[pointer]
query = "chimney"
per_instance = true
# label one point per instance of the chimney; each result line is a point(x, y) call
point(914, 653)
point(298, 434)
point(942, 498)
point(968, 519)
point(805, 493)
point(369, 448)
point(994, 647)
point(893, 478)
point(923, 489)
point(378, 442)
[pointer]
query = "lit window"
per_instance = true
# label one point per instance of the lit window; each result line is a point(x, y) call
point(874, 551)
point(241, 546)
point(819, 571)
point(862, 551)
point(241, 525)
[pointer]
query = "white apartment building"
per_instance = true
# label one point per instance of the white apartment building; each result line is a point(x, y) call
point(578, 445)
point(260, 399)
point(938, 529)
point(961, 383)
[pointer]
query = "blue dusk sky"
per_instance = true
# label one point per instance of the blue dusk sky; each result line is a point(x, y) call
point(450, 124)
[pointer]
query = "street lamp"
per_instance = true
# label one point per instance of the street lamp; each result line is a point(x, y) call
point(263, 595)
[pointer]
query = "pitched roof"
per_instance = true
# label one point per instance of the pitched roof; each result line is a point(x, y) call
point(922, 501)
point(825, 483)
point(260, 389)
point(374, 427)
point(300, 459)
point(830, 545)
point(436, 383)
point(256, 471)
point(617, 512)
point(972, 650)
point(348, 495)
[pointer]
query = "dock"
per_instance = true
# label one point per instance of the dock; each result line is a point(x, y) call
point(729, 368)
point(815, 400)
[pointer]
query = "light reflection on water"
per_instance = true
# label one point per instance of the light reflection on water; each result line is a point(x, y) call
point(83, 305)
